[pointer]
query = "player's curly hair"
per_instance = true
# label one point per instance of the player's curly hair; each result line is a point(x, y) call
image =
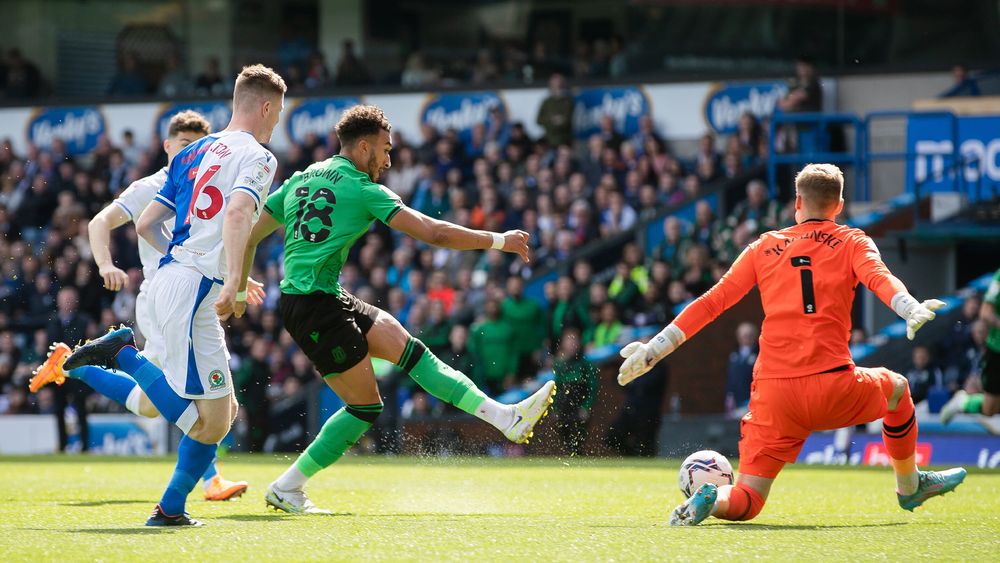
point(361, 121)
point(188, 121)
point(820, 185)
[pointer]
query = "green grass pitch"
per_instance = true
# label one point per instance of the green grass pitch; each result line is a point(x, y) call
point(429, 509)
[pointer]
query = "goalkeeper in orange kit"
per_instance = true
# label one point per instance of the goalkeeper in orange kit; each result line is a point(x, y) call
point(804, 379)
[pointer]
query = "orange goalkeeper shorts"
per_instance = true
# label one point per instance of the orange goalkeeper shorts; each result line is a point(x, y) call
point(784, 411)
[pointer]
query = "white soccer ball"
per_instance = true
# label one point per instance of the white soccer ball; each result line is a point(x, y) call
point(705, 466)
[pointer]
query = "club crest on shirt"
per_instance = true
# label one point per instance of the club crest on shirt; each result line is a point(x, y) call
point(216, 380)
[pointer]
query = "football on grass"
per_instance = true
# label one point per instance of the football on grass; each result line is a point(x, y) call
point(702, 467)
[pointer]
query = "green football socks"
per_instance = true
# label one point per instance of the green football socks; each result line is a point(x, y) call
point(973, 404)
point(439, 379)
point(339, 433)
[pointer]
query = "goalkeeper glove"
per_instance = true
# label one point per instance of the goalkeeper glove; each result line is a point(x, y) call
point(915, 313)
point(641, 357)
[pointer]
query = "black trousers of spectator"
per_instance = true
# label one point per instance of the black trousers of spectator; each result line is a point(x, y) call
point(571, 425)
point(634, 431)
point(74, 392)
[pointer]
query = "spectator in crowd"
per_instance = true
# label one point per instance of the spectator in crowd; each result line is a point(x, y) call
point(174, 82)
point(555, 115)
point(69, 325)
point(211, 82)
point(576, 379)
point(618, 217)
point(527, 321)
point(317, 74)
point(128, 81)
point(758, 212)
point(608, 328)
point(633, 432)
point(251, 382)
point(739, 373)
point(957, 344)
point(804, 91)
point(923, 375)
point(417, 73)
point(805, 95)
point(491, 342)
point(963, 85)
point(22, 80)
point(350, 70)
point(609, 133)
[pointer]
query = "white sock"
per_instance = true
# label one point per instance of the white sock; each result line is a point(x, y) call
point(501, 416)
point(907, 484)
point(291, 480)
point(132, 401)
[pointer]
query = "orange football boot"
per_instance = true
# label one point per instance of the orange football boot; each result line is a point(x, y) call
point(51, 371)
point(223, 489)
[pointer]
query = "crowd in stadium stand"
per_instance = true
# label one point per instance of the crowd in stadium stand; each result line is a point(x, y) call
point(467, 307)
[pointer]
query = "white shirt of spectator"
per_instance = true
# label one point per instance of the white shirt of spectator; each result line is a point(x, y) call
point(200, 181)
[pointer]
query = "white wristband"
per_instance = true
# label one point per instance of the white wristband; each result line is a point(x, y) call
point(497, 241)
point(667, 340)
point(241, 295)
point(903, 304)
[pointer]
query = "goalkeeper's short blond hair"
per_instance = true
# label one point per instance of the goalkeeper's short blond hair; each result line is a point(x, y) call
point(821, 186)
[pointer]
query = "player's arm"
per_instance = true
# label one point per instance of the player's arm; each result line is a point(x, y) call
point(449, 235)
point(875, 275)
point(99, 232)
point(253, 289)
point(641, 357)
point(150, 225)
point(236, 226)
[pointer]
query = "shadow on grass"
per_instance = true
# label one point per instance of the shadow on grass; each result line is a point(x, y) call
point(106, 531)
point(103, 502)
point(763, 527)
point(273, 517)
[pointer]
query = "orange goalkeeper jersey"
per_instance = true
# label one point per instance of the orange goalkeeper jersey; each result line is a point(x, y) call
point(807, 275)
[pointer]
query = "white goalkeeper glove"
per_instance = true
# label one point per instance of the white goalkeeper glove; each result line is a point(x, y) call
point(641, 357)
point(915, 313)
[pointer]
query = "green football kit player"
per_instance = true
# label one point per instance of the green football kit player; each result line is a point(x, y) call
point(323, 210)
point(988, 402)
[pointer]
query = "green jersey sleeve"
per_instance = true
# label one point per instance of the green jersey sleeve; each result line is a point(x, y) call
point(382, 203)
point(993, 291)
point(275, 204)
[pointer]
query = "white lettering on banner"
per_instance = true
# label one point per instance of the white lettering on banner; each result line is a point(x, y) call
point(468, 114)
point(726, 113)
point(934, 151)
point(133, 443)
point(629, 104)
point(979, 159)
point(829, 456)
point(987, 460)
point(72, 129)
point(321, 124)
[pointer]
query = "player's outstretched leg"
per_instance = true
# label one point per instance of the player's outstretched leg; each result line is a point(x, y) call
point(338, 434)
point(116, 350)
point(517, 422)
point(974, 403)
point(697, 508)
point(121, 388)
point(357, 387)
point(113, 384)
